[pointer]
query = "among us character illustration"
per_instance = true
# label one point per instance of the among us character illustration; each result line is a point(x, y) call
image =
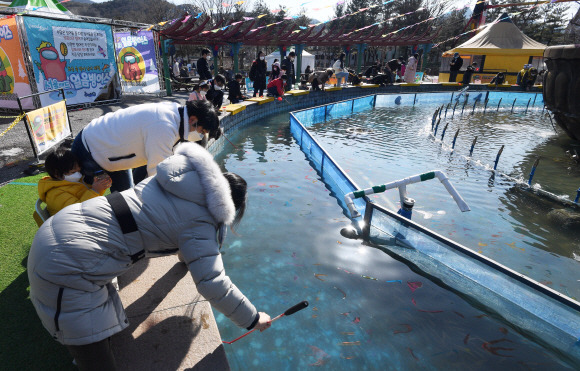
point(38, 127)
point(131, 69)
point(5, 79)
point(50, 64)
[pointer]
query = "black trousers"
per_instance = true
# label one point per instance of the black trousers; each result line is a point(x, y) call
point(94, 357)
point(453, 76)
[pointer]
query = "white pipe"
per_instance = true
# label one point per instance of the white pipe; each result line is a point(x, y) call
point(401, 184)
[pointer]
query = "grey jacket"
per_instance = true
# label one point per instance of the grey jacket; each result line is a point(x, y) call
point(77, 252)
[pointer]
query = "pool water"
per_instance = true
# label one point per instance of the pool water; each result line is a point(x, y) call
point(506, 223)
point(367, 310)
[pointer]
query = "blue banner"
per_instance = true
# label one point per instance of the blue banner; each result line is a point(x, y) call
point(77, 57)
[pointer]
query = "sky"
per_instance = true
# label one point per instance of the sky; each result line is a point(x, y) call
point(323, 10)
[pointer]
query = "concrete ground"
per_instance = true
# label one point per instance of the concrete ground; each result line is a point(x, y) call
point(171, 325)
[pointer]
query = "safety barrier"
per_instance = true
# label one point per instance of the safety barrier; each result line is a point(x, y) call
point(543, 314)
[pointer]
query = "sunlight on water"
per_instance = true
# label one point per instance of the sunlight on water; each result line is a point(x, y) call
point(367, 310)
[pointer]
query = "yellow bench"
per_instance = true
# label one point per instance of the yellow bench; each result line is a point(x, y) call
point(332, 88)
point(298, 92)
point(410, 84)
point(261, 100)
point(450, 84)
point(234, 108)
point(365, 86)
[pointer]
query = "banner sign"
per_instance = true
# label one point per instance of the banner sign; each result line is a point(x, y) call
point(48, 126)
point(13, 78)
point(137, 62)
point(77, 57)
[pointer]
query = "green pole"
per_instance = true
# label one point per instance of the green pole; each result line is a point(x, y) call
point(298, 49)
point(164, 48)
point(360, 52)
point(236, 52)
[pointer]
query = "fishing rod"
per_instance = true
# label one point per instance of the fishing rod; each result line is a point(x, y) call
point(288, 312)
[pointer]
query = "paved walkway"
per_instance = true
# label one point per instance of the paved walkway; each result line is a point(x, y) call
point(171, 325)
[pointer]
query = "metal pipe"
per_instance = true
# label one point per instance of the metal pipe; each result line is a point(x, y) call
point(533, 171)
point(453, 113)
point(498, 104)
point(529, 100)
point(577, 195)
point(473, 110)
point(446, 108)
point(350, 197)
point(436, 126)
point(441, 110)
point(485, 106)
point(535, 96)
point(444, 129)
point(472, 146)
point(513, 104)
point(454, 139)
point(497, 157)
point(464, 103)
point(434, 118)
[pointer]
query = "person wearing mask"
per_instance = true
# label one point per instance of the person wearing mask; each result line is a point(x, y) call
point(411, 68)
point(469, 73)
point(199, 91)
point(143, 134)
point(234, 90)
point(185, 209)
point(203, 66)
point(287, 68)
point(276, 72)
point(258, 73)
point(215, 94)
point(276, 86)
point(339, 71)
point(64, 186)
point(529, 78)
point(454, 67)
point(520, 76)
point(498, 79)
point(319, 79)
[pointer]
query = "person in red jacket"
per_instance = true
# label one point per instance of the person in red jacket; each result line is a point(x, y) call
point(276, 86)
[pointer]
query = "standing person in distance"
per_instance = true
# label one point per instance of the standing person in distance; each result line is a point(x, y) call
point(258, 73)
point(339, 71)
point(287, 67)
point(203, 66)
point(411, 68)
point(454, 67)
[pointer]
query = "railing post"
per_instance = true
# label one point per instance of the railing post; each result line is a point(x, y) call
point(366, 228)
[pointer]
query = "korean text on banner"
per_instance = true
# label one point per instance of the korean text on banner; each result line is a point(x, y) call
point(137, 62)
point(13, 77)
point(48, 125)
point(76, 57)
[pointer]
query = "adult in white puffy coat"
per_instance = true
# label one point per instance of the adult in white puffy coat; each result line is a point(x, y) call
point(141, 135)
point(76, 253)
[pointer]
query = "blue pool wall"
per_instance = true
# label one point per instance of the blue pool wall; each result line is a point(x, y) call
point(543, 314)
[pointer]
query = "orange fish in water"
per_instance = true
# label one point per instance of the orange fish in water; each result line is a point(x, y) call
point(317, 275)
point(494, 350)
point(408, 329)
point(320, 355)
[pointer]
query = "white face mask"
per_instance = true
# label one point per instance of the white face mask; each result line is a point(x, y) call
point(262, 58)
point(217, 87)
point(202, 93)
point(193, 135)
point(74, 177)
point(207, 57)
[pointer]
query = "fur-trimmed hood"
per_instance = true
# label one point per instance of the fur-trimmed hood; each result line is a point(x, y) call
point(189, 168)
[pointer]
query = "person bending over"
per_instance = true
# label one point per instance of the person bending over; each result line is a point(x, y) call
point(215, 94)
point(185, 208)
point(234, 91)
point(276, 86)
point(319, 79)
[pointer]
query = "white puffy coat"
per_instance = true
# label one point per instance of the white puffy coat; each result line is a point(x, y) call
point(77, 252)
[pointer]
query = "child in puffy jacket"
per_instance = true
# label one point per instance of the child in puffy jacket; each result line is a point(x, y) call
point(276, 86)
point(64, 185)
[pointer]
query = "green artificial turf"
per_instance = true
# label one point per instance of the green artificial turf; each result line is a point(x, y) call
point(24, 343)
